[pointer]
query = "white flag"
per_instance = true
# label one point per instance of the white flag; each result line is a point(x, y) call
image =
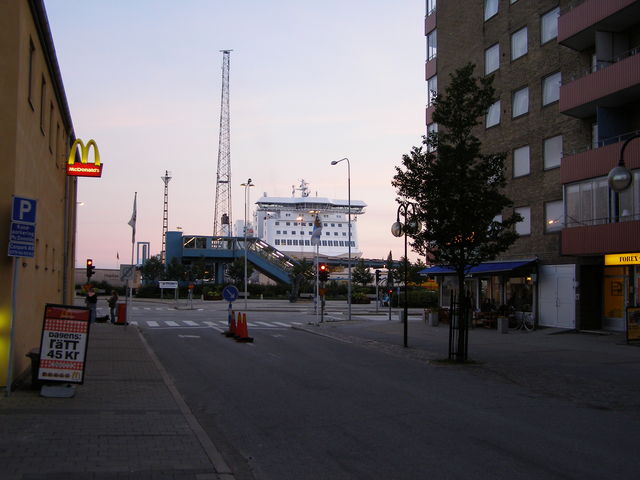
point(317, 231)
point(132, 222)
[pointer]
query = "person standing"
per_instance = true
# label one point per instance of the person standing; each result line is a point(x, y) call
point(113, 302)
point(91, 300)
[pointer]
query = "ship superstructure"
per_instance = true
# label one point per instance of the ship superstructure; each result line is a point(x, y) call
point(287, 223)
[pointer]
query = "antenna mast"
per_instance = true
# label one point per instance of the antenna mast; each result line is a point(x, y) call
point(165, 216)
point(222, 211)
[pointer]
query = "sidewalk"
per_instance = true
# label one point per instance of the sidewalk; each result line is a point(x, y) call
point(598, 371)
point(127, 421)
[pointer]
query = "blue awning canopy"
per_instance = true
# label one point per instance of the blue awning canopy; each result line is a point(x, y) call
point(488, 267)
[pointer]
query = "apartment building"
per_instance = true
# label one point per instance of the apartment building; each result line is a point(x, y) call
point(36, 135)
point(567, 79)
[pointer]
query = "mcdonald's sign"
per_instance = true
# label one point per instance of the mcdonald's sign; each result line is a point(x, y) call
point(84, 168)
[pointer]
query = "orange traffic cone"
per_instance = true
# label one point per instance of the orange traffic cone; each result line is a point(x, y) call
point(243, 331)
point(231, 332)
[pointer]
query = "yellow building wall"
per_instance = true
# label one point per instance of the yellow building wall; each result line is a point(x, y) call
point(32, 165)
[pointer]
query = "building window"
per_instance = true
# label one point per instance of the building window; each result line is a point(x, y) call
point(432, 45)
point(521, 162)
point(553, 216)
point(524, 227)
point(431, 6)
point(324, 243)
point(306, 243)
point(277, 241)
point(43, 91)
point(519, 43)
point(432, 89)
point(587, 203)
point(551, 88)
point(432, 128)
point(32, 51)
point(549, 25)
point(51, 112)
point(493, 115)
point(490, 8)
point(277, 223)
point(492, 59)
point(520, 102)
point(552, 152)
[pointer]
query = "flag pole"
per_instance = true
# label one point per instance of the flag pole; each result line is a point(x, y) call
point(132, 224)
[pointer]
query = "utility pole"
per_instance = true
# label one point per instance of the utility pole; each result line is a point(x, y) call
point(222, 212)
point(165, 216)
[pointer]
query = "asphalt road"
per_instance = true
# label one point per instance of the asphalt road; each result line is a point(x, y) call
point(293, 405)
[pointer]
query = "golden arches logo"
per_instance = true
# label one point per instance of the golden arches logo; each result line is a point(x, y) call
point(84, 168)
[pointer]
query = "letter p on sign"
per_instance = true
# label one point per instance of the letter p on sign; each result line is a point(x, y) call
point(24, 210)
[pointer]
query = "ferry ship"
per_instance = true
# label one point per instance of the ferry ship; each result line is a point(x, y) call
point(287, 223)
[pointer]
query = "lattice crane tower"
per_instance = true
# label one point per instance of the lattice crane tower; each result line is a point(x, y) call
point(222, 213)
point(165, 215)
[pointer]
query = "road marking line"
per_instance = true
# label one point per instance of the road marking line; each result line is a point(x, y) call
point(191, 323)
point(152, 323)
point(133, 322)
point(263, 323)
point(282, 324)
point(171, 323)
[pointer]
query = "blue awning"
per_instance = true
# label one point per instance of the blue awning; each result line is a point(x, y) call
point(488, 267)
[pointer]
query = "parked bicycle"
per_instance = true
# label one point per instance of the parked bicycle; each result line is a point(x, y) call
point(526, 322)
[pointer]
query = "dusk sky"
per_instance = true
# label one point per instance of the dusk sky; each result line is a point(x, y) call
point(310, 82)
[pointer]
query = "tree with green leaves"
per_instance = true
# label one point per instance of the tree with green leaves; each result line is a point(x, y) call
point(301, 273)
point(175, 270)
point(152, 269)
point(235, 270)
point(360, 274)
point(457, 189)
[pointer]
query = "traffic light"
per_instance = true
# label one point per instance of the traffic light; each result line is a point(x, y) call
point(323, 272)
point(90, 268)
point(377, 277)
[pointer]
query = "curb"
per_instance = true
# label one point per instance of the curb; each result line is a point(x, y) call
point(210, 449)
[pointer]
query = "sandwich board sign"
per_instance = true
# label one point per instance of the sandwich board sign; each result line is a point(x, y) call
point(63, 346)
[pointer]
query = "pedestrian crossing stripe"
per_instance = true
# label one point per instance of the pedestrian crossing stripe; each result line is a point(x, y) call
point(218, 325)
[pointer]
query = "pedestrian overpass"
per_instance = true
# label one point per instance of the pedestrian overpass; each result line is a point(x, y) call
point(221, 250)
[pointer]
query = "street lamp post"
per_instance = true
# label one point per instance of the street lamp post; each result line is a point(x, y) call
point(246, 206)
point(335, 162)
point(619, 178)
point(411, 225)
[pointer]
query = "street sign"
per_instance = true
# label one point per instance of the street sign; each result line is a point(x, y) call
point(22, 235)
point(126, 272)
point(24, 210)
point(230, 293)
point(168, 284)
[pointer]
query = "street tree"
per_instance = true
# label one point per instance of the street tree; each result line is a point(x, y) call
point(235, 270)
point(457, 189)
point(152, 269)
point(301, 273)
point(361, 275)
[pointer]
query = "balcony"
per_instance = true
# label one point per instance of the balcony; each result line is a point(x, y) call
point(598, 162)
point(577, 26)
point(615, 85)
point(600, 239)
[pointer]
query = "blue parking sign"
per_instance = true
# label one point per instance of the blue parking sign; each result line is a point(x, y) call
point(24, 210)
